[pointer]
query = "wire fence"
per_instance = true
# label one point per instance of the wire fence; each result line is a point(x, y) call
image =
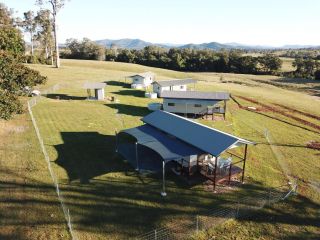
point(31, 103)
point(34, 100)
point(195, 224)
point(232, 210)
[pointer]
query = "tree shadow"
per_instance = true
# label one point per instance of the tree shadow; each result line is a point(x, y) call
point(315, 90)
point(298, 84)
point(296, 80)
point(287, 212)
point(118, 83)
point(64, 97)
point(135, 93)
point(129, 109)
point(85, 155)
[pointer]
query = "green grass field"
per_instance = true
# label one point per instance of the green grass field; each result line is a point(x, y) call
point(109, 200)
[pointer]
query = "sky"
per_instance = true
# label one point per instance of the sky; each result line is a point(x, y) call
point(252, 22)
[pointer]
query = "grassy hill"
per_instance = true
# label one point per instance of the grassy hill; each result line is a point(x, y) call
point(109, 200)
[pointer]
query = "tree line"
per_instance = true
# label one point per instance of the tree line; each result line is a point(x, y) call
point(176, 59)
point(192, 60)
point(305, 68)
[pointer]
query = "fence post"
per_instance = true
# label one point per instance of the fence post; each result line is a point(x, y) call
point(197, 224)
point(238, 208)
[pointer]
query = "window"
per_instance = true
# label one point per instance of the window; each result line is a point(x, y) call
point(171, 104)
point(197, 105)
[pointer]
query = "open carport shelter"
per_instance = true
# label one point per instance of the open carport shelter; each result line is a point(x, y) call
point(166, 137)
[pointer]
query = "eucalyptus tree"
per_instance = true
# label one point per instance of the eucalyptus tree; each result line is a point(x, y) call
point(29, 25)
point(55, 7)
point(44, 32)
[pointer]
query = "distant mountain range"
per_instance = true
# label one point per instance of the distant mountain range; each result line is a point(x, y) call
point(128, 43)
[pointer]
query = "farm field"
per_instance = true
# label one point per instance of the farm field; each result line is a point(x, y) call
point(287, 64)
point(107, 199)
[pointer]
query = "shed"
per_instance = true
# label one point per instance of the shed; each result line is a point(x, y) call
point(98, 90)
point(172, 85)
point(184, 142)
point(142, 80)
point(195, 102)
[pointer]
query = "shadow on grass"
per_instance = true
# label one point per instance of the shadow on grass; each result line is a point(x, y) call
point(296, 210)
point(64, 97)
point(299, 84)
point(85, 155)
point(118, 83)
point(135, 93)
point(284, 145)
point(120, 207)
point(130, 110)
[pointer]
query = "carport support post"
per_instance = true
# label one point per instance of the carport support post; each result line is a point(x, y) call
point(163, 193)
point(244, 161)
point(137, 159)
point(215, 173)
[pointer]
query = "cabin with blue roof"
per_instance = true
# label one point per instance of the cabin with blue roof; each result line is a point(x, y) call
point(170, 142)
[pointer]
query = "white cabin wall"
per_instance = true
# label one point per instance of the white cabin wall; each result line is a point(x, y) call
point(186, 106)
point(158, 89)
point(179, 88)
point(148, 80)
point(137, 80)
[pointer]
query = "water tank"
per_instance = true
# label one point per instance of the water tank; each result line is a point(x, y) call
point(154, 106)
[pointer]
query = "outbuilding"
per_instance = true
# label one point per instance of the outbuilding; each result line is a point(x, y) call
point(170, 142)
point(98, 89)
point(142, 80)
point(172, 85)
point(195, 102)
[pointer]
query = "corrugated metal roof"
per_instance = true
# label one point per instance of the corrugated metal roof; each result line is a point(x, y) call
point(207, 139)
point(175, 82)
point(168, 147)
point(144, 75)
point(94, 85)
point(195, 95)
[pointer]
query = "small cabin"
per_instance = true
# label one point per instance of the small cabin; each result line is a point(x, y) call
point(97, 88)
point(142, 80)
point(172, 85)
point(195, 102)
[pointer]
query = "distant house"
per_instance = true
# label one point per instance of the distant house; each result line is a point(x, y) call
point(194, 102)
point(172, 85)
point(142, 80)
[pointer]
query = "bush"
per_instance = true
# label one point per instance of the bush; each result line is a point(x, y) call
point(9, 104)
point(14, 77)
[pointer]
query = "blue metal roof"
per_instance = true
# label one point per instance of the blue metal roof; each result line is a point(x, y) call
point(207, 139)
point(168, 147)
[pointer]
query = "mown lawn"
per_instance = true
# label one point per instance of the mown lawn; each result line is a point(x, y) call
point(109, 200)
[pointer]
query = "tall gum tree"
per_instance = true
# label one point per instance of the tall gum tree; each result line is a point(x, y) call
point(55, 7)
